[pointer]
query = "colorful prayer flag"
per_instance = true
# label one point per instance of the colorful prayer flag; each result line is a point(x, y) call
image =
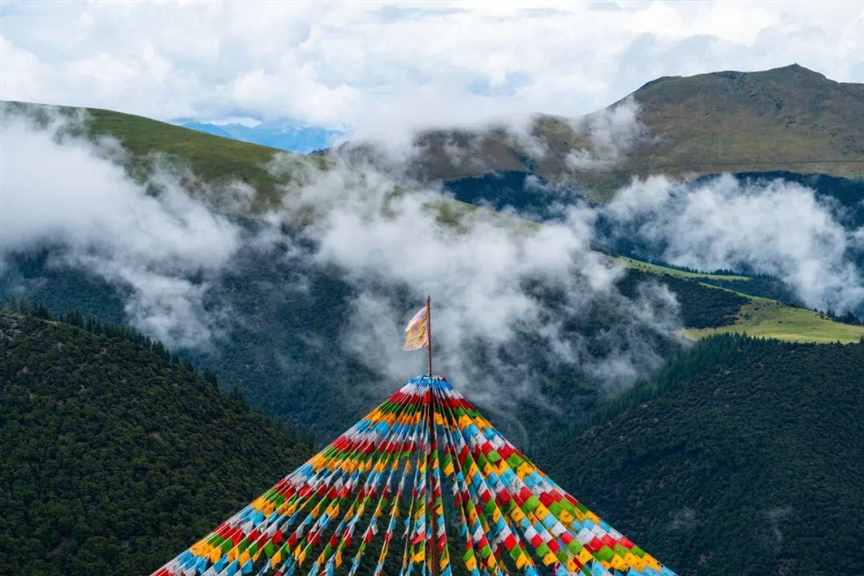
point(505, 515)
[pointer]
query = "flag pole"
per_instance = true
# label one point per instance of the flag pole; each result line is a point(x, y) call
point(433, 545)
point(429, 332)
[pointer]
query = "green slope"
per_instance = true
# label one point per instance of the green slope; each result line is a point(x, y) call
point(709, 307)
point(652, 268)
point(747, 460)
point(766, 318)
point(213, 160)
point(787, 118)
point(115, 456)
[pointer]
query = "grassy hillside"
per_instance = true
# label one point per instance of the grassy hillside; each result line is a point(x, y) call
point(744, 458)
point(213, 160)
point(766, 318)
point(117, 456)
point(653, 268)
point(788, 118)
point(785, 119)
point(709, 306)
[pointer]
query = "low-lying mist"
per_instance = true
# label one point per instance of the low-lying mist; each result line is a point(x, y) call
point(301, 304)
point(517, 306)
point(776, 228)
point(62, 190)
point(497, 282)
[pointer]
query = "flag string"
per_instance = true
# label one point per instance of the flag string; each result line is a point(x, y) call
point(424, 456)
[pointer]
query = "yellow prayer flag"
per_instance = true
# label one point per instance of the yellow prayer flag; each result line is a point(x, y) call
point(416, 333)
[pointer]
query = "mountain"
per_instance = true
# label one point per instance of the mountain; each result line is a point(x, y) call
point(680, 455)
point(785, 119)
point(283, 135)
point(789, 118)
point(740, 457)
point(285, 333)
point(743, 457)
point(118, 455)
point(219, 163)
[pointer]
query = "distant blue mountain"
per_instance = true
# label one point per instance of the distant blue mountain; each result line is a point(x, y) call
point(285, 135)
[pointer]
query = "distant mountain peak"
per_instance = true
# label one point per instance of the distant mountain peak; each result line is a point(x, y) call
point(789, 118)
point(791, 72)
point(281, 134)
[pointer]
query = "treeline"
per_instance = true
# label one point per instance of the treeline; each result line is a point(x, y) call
point(714, 353)
point(121, 331)
point(700, 306)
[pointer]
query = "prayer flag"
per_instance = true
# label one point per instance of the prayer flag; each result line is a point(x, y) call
point(417, 333)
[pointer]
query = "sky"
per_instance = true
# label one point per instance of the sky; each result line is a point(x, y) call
point(375, 68)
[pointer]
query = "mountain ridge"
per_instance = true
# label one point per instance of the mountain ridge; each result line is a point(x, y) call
point(782, 119)
point(788, 118)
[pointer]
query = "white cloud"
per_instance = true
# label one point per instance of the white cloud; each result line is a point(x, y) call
point(497, 282)
point(778, 228)
point(381, 69)
point(65, 191)
point(612, 133)
point(480, 275)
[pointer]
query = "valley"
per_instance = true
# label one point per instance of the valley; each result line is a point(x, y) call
point(712, 413)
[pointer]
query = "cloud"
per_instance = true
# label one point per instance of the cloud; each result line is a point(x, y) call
point(381, 70)
point(514, 301)
point(503, 289)
point(777, 228)
point(62, 190)
point(612, 133)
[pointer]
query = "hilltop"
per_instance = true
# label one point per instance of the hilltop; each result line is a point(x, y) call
point(213, 162)
point(788, 119)
point(117, 455)
point(784, 119)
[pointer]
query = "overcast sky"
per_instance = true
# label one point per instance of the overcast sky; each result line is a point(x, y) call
point(373, 67)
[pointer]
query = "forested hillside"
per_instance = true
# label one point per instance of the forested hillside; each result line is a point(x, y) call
point(745, 457)
point(116, 455)
point(739, 458)
point(740, 455)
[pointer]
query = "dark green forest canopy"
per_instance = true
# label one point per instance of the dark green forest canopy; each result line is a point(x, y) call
point(117, 456)
point(738, 458)
point(744, 457)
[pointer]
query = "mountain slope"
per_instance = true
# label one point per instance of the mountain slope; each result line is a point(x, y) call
point(789, 118)
point(286, 337)
point(747, 460)
point(117, 457)
point(216, 161)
